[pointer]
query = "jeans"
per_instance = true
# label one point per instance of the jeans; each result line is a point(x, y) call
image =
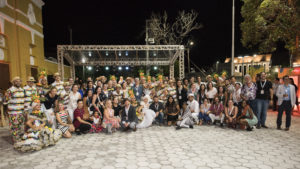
point(287, 107)
point(204, 117)
point(160, 118)
point(262, 108)
point(253, 106)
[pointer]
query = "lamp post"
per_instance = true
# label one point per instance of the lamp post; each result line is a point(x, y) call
point(190, 44)
point(232, 43)
point(217, 66)
point(243, 69)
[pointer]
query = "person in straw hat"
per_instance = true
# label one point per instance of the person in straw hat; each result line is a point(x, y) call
point(30, 89)
point(58, 84)
point(15, 97)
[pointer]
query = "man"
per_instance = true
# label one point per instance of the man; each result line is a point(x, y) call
point(275, 87)
point(64, 95)
point(30, 90)
point(264, 96)
point(193, 106)
point(129, 119)
point(210, 79)
point(58, 83)
point(216, 111)
point(286, 100)
point(71, 81)
point(231, 86)
point(186, 119)
point(199, 82)
point(248, 92)
point(137, 90)
point(181, 93)
point(15, 99)
point(158, 108)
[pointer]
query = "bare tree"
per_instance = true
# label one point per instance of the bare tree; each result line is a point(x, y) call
point(167, 32)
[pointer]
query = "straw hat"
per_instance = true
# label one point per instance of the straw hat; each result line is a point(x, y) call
point(66, 84)
point(30, 79)
point(15, 78)
point(56, 74)
point(208, 76)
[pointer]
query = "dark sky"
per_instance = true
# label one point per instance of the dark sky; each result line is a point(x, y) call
point(121, 22)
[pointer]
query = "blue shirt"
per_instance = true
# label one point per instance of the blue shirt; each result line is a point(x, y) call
point(288, 92)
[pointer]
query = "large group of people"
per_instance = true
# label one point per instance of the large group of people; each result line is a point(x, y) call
point(41, 113)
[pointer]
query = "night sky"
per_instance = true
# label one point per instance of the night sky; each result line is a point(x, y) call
point(122, 22)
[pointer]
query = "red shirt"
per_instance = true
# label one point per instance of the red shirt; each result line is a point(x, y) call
point(78, 113)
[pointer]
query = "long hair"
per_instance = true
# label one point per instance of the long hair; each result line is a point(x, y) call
point(168, 102)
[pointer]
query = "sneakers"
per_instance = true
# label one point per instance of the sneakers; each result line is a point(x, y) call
point(249, 128)
point(222, 125)
point(278, 128)
point(287, 129)
point(264, 126)
point(178, 128)
point(191, 126)
point(258, 126)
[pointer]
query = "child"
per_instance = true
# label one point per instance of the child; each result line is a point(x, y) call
point(96, 127)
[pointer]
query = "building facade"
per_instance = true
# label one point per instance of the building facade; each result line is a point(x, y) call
point(22, 40)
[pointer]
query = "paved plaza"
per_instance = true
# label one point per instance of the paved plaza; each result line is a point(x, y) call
point(163, 147)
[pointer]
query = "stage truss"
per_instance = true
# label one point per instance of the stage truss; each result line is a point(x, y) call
point(121, 55)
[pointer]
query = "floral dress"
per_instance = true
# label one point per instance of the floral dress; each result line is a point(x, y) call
point(114, 122)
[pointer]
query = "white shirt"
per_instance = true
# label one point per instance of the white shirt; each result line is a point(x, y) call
point(73, 100)
point(193, 105)
point(236, 95)
point(281, 91)
point(212, 93)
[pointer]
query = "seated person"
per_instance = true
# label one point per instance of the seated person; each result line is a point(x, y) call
point(203, 114)
point(193, 105)
point(110, 122)
point(186, 119)
point(147, 114)
point(231, 112)
point(158, 108)
point(81, 125)
point(171, 110)
point(96, 127)
point(129, 119)
point(247, 117)
point(64, 122)
point(216, 111)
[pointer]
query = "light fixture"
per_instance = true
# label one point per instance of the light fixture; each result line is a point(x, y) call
point(155, 68)
point(106, 68)
point(240, 57)
point(120, 53)
point(126, 53)
point(191, 43)
point(218, 62)
point(90, 53)
point(83, 60)
point(154, 53)
point(127, 68)
point(120, 68)
point(89, 67)
point(254, 55)
point(106, 53)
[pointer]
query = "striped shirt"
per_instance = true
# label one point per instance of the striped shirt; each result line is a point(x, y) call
point(16, 99)
point(29, 91)
point(59, 86)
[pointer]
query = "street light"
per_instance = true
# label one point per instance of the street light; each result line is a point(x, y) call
point(191, 43)
point(217, 66)
point(106, 68)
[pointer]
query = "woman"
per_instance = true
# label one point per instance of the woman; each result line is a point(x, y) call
point(125, 90)
point(81, 126)
point(201, 94)
point(64, 122)
point(147, 114)
point(38, 134)
point(171, 109)
point(105, 91)
point(181, 93)
point(203, 114)
point(211, 92)
point(231, 112)
point(73, 97)
point(98, 98)
point(118, 93)
point(110, 122)
point(236, 97)
point(49, 104)
point(222, 94)
point(247, 117)
point(87, 101)
point(186, 84)
point(117, 108)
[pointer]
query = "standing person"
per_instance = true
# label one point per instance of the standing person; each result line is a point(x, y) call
point(172, 110)
point(15, 97)
point(264, 96)
point(211, 92)
point(201, 94)
point(110, 122)
point(296, 91)
point(97, 103)
point(158, 108)
point(216, 111)
point(186, 118)
point(236, 97)
point(118, 93)
point(231, 86)
point(199, 82)
point(193, 90)
point(275, 87)
point(129, 119)
point(181, 93)
point(30, 90)
point(90, 86)
point(248, 92)
point(71, 81)
point(73, 97)
point(81, 126)
point(138, 90)
point(209, 79)
point(87, 102)
point(222, 94)
point(286, 101)
point(58, 84)
point(117, 107)
point(65, 95)
point(49, 104)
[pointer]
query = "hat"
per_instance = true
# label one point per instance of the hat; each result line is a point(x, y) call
point(15, 78)
point(208, 76)
point(191, 94)
point(66, 84)
point(30, 79)
point(56, 74)
point(118, 85)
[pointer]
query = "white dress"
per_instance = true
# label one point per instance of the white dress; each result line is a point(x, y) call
point(149, 116)
point(73, 103)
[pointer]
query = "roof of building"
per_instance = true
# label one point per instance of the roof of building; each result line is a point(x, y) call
point(250, 59)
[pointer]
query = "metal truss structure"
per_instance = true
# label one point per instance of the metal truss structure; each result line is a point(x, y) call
point(92, 55)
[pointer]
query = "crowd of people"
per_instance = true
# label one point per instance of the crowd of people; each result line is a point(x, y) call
point(41, 113)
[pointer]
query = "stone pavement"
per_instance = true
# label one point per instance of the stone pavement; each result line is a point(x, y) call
point(163, 147)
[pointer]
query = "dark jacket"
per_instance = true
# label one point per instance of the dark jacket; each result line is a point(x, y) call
point(159, 107)
point(131, 114)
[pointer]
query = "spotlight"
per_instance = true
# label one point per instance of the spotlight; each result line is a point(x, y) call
point(120, 68)
point(90, 53)
point(127, 68)
point(106, 68)
point(126, 53)
point(83, 60)
point(89, 67)
point(154, 53)
point(155, 68)
point(106, 53)
point(120, 53)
